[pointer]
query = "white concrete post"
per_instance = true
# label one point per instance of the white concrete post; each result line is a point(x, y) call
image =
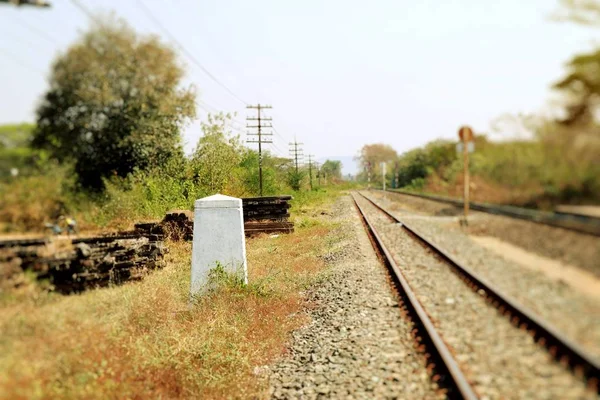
point(218, 238)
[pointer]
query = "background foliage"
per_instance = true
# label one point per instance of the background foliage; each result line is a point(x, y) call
point(114, 104)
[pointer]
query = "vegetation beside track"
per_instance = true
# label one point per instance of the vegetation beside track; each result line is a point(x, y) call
point(143, 340)
point(107, 148)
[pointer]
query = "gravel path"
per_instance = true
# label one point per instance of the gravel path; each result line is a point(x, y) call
point(357, 345)
point(567, 246)
point(500, 360)
point(573, 313)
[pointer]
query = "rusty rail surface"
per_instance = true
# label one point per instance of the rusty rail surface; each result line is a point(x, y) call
point(452, 377)
point(560, 347)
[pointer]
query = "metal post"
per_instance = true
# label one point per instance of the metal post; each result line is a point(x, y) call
point(466, 178)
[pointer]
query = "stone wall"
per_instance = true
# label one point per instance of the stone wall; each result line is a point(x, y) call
point(75, 265)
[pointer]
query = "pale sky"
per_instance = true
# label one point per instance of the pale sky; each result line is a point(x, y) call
point(338, 73)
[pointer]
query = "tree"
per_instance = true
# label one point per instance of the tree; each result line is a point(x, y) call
point(274, 172)
point(217, 155)
point(372, 155)
point(15, 154)
point(332, 169)
point(582, 89)
point(295, 178)
point(586, 12)
point(582, 83)
point(114, 104)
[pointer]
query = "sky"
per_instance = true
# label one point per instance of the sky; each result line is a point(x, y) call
point(339, 74)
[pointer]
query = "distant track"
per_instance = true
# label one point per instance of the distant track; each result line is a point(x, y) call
point(559, 346)
point(575, 222)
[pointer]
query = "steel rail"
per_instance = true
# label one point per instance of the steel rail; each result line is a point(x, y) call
point(559, 345)
point(458, 385)
point(573, 222)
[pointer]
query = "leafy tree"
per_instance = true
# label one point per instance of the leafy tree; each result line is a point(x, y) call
point(295, 178)
point(217, 155)
point(15, 135)
point(372, 155)
point(582, 88)
point(582, 83)
point(14, 149)
point(114, 104)
point(273, 172)
point(586, 12)
point(411, 166)
point(332, 169)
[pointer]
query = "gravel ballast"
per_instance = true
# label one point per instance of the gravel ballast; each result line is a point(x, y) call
point(572, 313)
point(570, 247)
point(357, 344)
point(500, 360)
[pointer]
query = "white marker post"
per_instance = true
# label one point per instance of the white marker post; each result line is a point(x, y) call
point(383, 176)
point(218, 238)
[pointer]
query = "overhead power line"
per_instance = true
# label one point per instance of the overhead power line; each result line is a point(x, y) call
point(37, 30)
point(87, 12)
point(22, 62)
point(278, 150)
point(20, 38)
point(151, 16)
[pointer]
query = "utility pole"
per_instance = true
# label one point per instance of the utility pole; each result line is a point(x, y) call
point(296, 152)
point(259, 126)
point(310, 165)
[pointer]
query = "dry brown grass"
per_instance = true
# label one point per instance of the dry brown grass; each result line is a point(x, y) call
point(143, 340)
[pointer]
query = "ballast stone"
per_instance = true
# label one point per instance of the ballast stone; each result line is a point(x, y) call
point(218, 239)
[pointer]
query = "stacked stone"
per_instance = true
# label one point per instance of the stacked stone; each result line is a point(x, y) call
point(261, 215)
point(76, 265)
point(176, 225)
point(267, 215)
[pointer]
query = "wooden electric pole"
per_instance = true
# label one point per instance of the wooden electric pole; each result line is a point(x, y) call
point(259, 133)
point(296, 152)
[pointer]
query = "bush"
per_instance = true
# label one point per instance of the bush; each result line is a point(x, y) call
point(27, 202)
point(148, 195)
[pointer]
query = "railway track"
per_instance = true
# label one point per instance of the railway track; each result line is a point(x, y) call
point(456, 381)
point(574, 222)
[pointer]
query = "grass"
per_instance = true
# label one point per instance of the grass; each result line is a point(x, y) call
point(145, 340)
